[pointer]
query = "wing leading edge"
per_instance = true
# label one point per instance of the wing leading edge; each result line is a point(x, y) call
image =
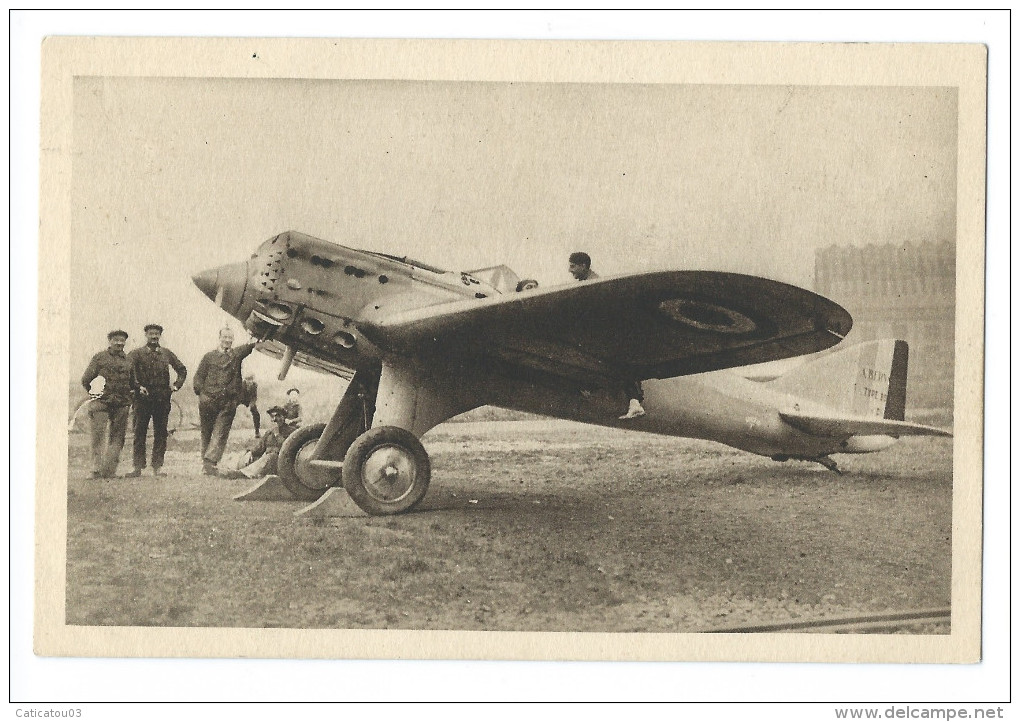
point(655, 325)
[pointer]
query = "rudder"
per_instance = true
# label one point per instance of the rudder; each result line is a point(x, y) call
point(896, 404)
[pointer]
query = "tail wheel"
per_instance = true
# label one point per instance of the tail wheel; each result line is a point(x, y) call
point(297, 474)
point(387, 470)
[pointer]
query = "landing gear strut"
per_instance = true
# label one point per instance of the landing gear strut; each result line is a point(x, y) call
point(385, 469)
point(302, 479)
point(828, 463)
point(310, 459)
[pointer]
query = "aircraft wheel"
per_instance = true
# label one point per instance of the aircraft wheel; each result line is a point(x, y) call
point(301, 478)
point(387, 470)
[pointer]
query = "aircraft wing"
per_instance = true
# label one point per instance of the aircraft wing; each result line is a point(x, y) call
point(837, 427)
point(304, 360)
point(654, 325)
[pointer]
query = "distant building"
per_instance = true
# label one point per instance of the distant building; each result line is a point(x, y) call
point(900, 291)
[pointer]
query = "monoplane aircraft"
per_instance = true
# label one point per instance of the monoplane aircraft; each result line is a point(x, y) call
point(420, 344)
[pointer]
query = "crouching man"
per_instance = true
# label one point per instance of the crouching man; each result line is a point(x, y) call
point(261, 459)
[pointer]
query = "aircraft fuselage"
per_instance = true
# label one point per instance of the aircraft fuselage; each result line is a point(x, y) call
point(320, 298)
point(719, 406)
point(424, 345)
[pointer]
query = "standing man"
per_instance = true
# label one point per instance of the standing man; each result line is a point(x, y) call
point(108, 411)
point(579, 265)
point(218, 385)
point(151, 365)
point(250, 398)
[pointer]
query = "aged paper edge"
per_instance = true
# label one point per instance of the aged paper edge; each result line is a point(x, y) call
point(960, 66)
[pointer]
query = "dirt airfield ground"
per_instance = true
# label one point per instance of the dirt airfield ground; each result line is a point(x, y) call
point(528, 525)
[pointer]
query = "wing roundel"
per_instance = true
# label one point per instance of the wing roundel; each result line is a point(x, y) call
point(655, 325)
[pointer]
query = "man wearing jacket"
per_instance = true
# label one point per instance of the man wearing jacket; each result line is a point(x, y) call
point(151, 364)
point(219, 386)
point(261, 459)
point(108, 410)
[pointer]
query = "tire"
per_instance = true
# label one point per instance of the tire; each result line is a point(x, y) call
point(304, 481)
point(387, 471)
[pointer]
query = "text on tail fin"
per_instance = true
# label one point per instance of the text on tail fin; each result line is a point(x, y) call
point(865, 380)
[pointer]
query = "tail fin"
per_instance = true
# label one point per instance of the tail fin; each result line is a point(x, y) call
point(866, 380)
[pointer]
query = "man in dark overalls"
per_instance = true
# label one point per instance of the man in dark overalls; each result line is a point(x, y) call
point(151, 364)
point(218, 385)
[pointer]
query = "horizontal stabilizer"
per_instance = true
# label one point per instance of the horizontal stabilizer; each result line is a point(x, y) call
point(845, 427)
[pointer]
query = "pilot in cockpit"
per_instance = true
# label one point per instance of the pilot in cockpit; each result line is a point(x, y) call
point(579, 265)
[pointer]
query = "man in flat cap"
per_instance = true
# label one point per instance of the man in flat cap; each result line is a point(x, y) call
point(261, 459)
point(219, 386)
point(108, 410)
point(151, 364)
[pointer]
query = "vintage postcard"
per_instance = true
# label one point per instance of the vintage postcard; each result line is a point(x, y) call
point(516, 350)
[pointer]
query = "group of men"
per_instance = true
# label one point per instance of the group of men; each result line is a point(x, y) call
point(291, 409)
point(140, 380)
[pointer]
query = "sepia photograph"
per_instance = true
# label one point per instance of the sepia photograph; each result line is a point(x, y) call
point(510, 350)
point(467, 271)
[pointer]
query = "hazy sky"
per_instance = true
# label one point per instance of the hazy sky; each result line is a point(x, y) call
point(171, 176)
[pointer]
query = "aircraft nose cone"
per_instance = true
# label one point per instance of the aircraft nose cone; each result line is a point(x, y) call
point(224, 285)
point(206, 282)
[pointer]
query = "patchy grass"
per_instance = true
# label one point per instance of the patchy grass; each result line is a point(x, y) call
point(527, 526)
